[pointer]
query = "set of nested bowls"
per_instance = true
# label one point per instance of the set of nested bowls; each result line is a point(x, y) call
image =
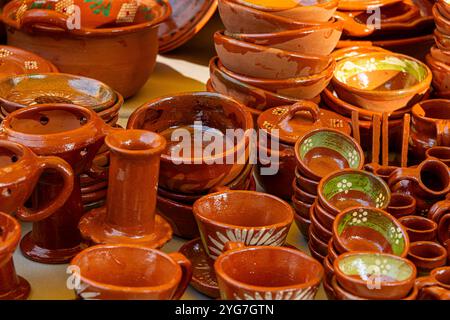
point(439, 57)
point(274, 55)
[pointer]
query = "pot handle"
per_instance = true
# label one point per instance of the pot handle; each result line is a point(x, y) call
point(435, 293)
point(34, 17)
point(186, 268)
point(402, 174)
point(302, 105)
point(351, 27)
point(443, 133)
point(65, 170)
point(424, 282)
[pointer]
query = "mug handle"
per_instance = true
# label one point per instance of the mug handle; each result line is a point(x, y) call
point(65, 170)
point(302, 105)
point(186, 268)
point(31, 18)
point(233, 245)
point(351, 27)
point(435, 293)
point(402, 174)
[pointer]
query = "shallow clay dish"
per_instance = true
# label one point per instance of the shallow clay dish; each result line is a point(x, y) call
point(381, 82)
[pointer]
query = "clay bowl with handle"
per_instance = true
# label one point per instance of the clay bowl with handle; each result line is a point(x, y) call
point(318, 40)
point(435, 286)
point(427, 255)
point(258, 61)
point(419, 228)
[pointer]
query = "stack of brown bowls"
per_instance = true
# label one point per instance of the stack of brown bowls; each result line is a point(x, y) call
point(319, 153)
point(439, 57)
point(274, 55)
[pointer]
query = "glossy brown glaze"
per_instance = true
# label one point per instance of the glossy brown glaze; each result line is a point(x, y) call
point(440, 213)
point(419, 228)
point(130, 272)
point(440, 153)
point(401, 205)
point(42, 128)
point(427, 255)
point(436, 286)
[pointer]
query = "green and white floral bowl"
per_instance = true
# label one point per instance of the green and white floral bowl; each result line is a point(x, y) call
point(381, 82)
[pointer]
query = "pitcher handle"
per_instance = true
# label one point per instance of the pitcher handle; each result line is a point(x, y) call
point(186, 268)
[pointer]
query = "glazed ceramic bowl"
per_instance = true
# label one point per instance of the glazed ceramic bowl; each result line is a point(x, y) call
point(9, 237)
point(266, 62)
point(301, 194)
point(294, 88)
point(303, 225)
point(375, 275)
point(255, 218)
point(441, 78)
point(275, 273)
point(427, 255)
point(300, 10)
point(442, 40)
point(381, 82)
point(302, 208)
point(369, 229)
point(401, 205)
point(419, 228)
point(309, 185)
point(358, 5)
point(326, 219)
point(317, 227)
point(440, 55)
point(350, 188)
point(323, 151)
point(352, 51)
point(128, 50)
point(442, 23)
point(317, 244)
point(440, 153)
point(318, 40)
point(172, 115)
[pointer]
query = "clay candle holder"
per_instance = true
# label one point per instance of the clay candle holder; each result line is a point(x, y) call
point(393, 81)
point(130, 214)
point(369, 229)
point(74, 134)
point(12, 287)
point(375, 275)
point(349, 188)
point(251, 217)
point(130, 272)
point(427, 255)
point(436, 286)
point(419, 228)
point(323, 151)
point(274, 273)
point(190, 173)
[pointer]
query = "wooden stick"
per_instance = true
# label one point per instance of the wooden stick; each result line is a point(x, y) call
point(385, 139)
point(405, 139)
point(376, 123)
point(355, 126)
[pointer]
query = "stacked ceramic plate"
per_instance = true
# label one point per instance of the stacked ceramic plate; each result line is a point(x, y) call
point(439, 57)
point(274, 55)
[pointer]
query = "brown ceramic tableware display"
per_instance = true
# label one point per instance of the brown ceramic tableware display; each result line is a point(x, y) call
point(302, 195)
point(303, 225)
point(350, 51)
point(332, 251)
point(130, 272)
point(440, 153)
point(401, 205)
point(12, 286)
point(74, 134)
point(265, 62)
point(375, 275)
point(369, 229)
point(130, 214)
point(427, 255)
point(275, 273)
point(309, 185)
point(419, 228)
point(191, 174)
point(126, 50)
point(435, 286)
point(318, 244)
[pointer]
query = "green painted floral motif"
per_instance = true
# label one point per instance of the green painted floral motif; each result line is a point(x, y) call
point(349, 69)
point(334, 141)
point(100, 6)
point(362, 181)
point(375, 220)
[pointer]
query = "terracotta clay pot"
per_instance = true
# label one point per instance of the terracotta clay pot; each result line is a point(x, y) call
point(440, 213)
point(427, 255)
point(12, 287)
point(357, 273)
point(228, 215)
point(401, 205)
point(441, 78)
point(131, 272)
point(130, 214)
point(129, 50)
point(436, 286)
point(268, 276)
point(419, 228)
point(74, 134)
point(192, 173)
point(440, 153)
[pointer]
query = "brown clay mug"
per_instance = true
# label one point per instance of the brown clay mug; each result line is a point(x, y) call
point(401, 205)
point(255, 218)
point(19, 175)
point(267, 273)
point(440, 153)
point(419, 228)
point(436, 286)
point(427, 255)
point(130, 272)
point(440, 213)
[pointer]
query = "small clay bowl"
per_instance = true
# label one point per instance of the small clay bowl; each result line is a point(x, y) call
point(309, 185)
point(401, 205)
point(256, 218)
point(319, 229)
point(299, 10)
point(419, 228)
point(375, 275)
point(265, 62)
point(318, 40)
point(440, 153)
point(268, 276)
point(9, 237)
point(302, 195)
point(301, 207)
point(328, 268)
point(318, 244)
point(369, 229)
point(384, 172)
point(427, 255)
point(323, 151)
point(303, 225)
point(381, 82)
point(349, 188)
point(332, 251)
point(325, 218)
point(440, 55)
point(295, 88)
point(316, 255)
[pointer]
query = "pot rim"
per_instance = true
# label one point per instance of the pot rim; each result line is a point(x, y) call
point(418, 110)
point(431, 225)
point(429, 244)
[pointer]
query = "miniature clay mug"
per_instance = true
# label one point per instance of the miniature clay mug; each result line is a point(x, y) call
point(427, 255)
point(254, 218)
point(436, 286)
point(440, 213)
point(375, 275)
point(440, 153)
point(19, 175)
point(369, 229)
point(401, 205)
point(266, 273)
point(419, 228)
point(130, 272)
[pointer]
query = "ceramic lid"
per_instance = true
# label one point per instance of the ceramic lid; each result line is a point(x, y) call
point(15, 61)
point(187, 19)
point(293, 122)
